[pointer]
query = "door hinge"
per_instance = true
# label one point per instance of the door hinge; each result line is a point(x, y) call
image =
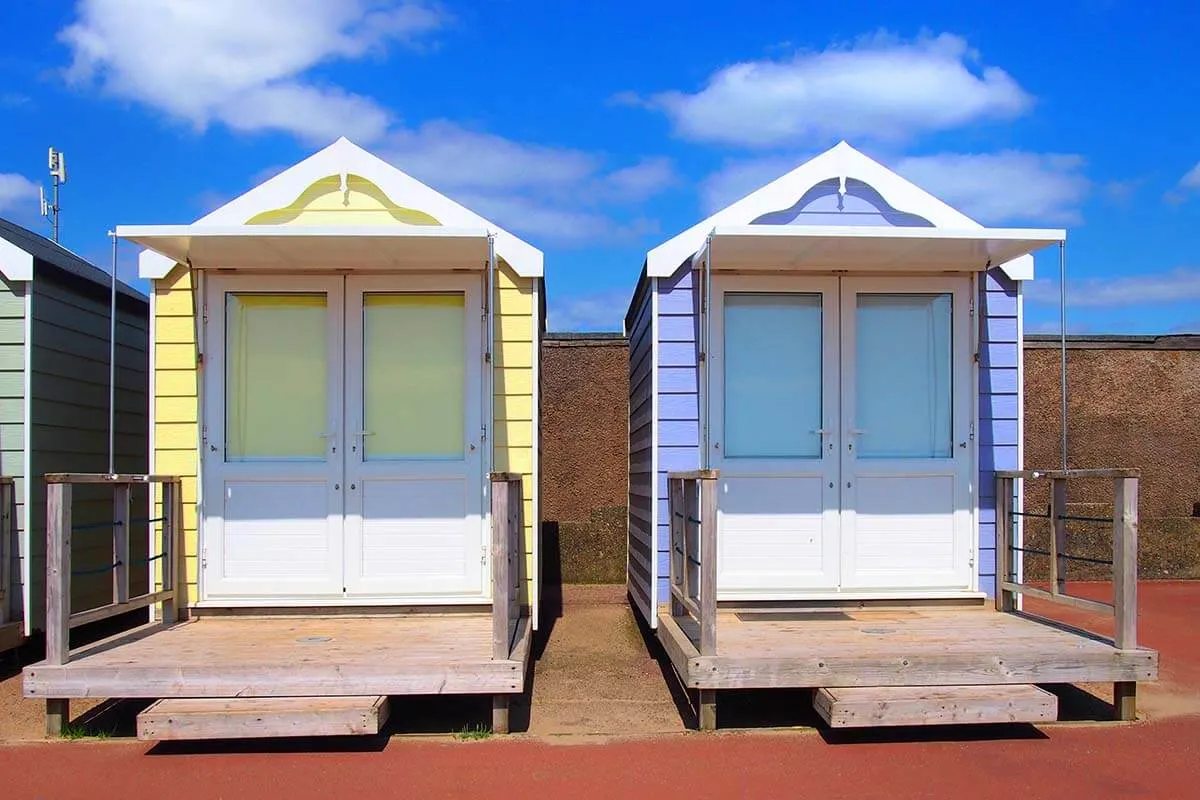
point(203, 558)
point(971, 431)
point(483, 554)
point(483, 433)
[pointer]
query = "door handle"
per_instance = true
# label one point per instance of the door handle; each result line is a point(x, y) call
point(330, 435)
point(856, 431)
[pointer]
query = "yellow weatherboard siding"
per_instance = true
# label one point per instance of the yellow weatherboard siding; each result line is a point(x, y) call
point(176, 417)
point(513, 394)
point(176, 407)
point(329, 201)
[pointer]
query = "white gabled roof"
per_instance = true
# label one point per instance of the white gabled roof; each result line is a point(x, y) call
point(343, 157)
point(839, 162)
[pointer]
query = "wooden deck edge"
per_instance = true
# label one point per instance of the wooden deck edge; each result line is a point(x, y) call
point(78, 679)
point(12, 634)
point(727, 672)
point(678, 646)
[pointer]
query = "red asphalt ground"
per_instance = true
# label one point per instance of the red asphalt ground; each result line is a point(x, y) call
point(1158, 758)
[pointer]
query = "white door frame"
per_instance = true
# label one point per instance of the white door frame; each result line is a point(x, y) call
point(215, 470)
point(958, 467)
point(471, 466)
point(826, 469)
point(838, 314)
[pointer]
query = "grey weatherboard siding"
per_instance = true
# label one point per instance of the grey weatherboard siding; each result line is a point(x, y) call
point(64, 368)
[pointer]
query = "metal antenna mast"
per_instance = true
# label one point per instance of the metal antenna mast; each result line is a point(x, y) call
point(58, 176)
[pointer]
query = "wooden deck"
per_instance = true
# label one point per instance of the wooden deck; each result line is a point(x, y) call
point(920, 646)
point(291, 656)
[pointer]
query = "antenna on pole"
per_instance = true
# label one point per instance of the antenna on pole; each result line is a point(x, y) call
point(58, 176)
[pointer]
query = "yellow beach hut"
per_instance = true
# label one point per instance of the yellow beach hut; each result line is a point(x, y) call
point(345, 378)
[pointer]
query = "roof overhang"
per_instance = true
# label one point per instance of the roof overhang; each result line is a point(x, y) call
point(271, 247)
point(871, 249)
point(16, 264)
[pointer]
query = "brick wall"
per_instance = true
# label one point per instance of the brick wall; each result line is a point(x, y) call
point(584, 457)
point(1133, 401)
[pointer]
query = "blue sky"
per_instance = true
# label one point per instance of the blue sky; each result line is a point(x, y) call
point(596, 131)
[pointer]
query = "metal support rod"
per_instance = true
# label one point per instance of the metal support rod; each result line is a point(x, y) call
point(112, 362)
point(1062, 341)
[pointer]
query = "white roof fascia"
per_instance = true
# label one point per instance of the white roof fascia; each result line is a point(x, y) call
point(815, 242)
point(345, 157)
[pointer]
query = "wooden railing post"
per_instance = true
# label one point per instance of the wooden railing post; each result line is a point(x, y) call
point(501, 588)
point(678, 556)
point(1058, 535)
point(120, 560)
point(58, 595)
point(1125, 567)
point(6, 551)
point(708, 563)
point(1004, 526)
point(169, 548)
point(58, 572)
point(1125, 577)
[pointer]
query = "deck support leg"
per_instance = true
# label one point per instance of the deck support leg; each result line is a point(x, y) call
point(706, 710)
point(500, 713)
point(1125, 701)
point(58, 714)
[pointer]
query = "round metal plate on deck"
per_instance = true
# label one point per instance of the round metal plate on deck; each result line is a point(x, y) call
point(314, 639)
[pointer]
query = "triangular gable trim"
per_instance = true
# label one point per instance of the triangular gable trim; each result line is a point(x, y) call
point(343, 157)
point(839, 162)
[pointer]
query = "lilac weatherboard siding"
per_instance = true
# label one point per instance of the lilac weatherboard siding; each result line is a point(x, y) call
point(999, 406)
point(640, 559)
point(678, 424)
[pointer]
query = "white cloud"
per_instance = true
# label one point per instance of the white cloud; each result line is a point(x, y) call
point(1176, 286)
point(17, 194)
point(740, 177)
point(878, 88)
point(601, 311)
point(1010, 186)
point(244, 65)
point(642, 180)
point(553, 195)
point(1192, 179)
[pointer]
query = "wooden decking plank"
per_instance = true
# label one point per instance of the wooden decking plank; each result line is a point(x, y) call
point(256, 718)
point(878, 706)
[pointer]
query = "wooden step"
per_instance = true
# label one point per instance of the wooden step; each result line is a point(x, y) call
point(878, 706)
point(261, 717)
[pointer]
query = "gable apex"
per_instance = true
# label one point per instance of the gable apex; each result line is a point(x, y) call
point(344, 158)
point(842, 162)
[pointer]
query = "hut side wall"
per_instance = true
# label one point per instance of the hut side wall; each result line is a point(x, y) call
point(641, 559)
point(678, 433)
point(999, 406)
point(69, 391)
point(12, 428)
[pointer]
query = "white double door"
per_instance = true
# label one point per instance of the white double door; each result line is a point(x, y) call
point(840, 420)
point(342, 440)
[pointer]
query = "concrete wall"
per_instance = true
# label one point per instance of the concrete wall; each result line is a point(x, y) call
point(1132, 402)
point(584, 468)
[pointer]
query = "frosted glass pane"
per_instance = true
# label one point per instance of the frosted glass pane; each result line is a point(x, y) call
point(414, 382)
point(275, 376)
point(772, 375)
point(903, 390)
